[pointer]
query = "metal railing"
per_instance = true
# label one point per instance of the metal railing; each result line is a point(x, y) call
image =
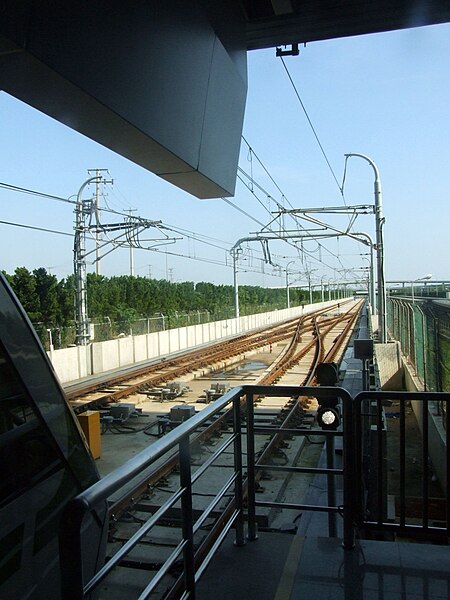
point(422, 328)
point(74, 584)
point(255, 467)
point(364, 473)
point(377, 460)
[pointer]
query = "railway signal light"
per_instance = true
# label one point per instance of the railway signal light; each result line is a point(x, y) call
point(328, 417)
point(328, 413)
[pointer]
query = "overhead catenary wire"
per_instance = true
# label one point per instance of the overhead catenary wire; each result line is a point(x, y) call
point(197, 236)
point(44, 229)
point(340, 186)
point(267, 172)
point(193, 235)
point(299, 225)
point(16, 188)
point(54, 197)
point(312, 128)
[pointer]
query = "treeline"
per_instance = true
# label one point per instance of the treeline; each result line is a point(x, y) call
point(50, 302)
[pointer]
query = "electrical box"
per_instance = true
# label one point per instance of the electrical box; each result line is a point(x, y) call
point(90, 424)
point(178, 414)
point(327, 373)
point(363, 349)
point(122, 412)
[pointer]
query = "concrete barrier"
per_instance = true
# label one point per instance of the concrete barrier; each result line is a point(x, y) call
point(72, 364)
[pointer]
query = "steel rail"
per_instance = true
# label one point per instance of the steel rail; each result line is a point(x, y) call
point(123, 502)
point(174, 368)
point(216, 532)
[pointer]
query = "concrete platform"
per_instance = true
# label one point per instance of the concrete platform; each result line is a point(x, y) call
point(287, 567)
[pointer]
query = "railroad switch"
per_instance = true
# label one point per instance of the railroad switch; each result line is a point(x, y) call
point(216, 390)
point(178, 414)
point(169, 392)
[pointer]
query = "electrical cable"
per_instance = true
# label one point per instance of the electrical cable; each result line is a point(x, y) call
point(133, 240)
point(15, 188)
point(36, 228)
point(312, 126)
point(295, 218)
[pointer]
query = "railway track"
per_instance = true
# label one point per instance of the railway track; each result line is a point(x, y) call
point(315, 338)
point(115, 387)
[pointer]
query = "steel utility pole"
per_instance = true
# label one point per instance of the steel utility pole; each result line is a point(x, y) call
point(288, 298)
point(79, 263)
point(98, 174)
point(132, 228)
point(379, 223)
point(234, 253)
point(130, 220)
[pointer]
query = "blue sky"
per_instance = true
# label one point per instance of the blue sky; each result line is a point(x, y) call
point(386, 96)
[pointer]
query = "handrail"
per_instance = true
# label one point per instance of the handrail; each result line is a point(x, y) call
point(74, 587)
point(348, 456)
point(71, 549)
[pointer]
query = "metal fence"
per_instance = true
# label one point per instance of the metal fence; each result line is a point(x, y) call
point(227, 504)
point(404, 469)
point(55, 338)
point(423, 329)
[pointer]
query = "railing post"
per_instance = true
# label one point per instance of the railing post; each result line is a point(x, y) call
point(252, 535)
point(351, 477)
point(238, 496)
point(187, 516)
point(331, 486)
point(70, 552)
point(425, 473)
point(447, 466)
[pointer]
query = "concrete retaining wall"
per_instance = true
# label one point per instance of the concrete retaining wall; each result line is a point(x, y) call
point(436, 433)
point(390, 366)
point(72, 364)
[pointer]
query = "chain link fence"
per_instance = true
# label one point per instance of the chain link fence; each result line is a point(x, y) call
point(423, 329)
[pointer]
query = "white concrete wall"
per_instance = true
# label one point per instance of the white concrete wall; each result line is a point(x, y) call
point(390, 366)
point(72, 364)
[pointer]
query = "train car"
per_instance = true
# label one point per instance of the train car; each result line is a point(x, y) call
point(44, 463)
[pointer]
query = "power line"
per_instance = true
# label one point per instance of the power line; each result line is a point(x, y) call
point(243, 211)
point(312, 128)
point(15, 188)
point(36, 228)
point(205, 260)
point(198, 237)
point(193, 235)
point(299, 225)
point(267, 171)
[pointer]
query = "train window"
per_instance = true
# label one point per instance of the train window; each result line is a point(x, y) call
point(27, 453)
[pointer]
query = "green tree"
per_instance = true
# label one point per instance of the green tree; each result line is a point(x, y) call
point(46, 286)
point(24, 286)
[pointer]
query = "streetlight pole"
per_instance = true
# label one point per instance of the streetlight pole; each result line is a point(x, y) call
point(379, 223)
point(425, 278)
